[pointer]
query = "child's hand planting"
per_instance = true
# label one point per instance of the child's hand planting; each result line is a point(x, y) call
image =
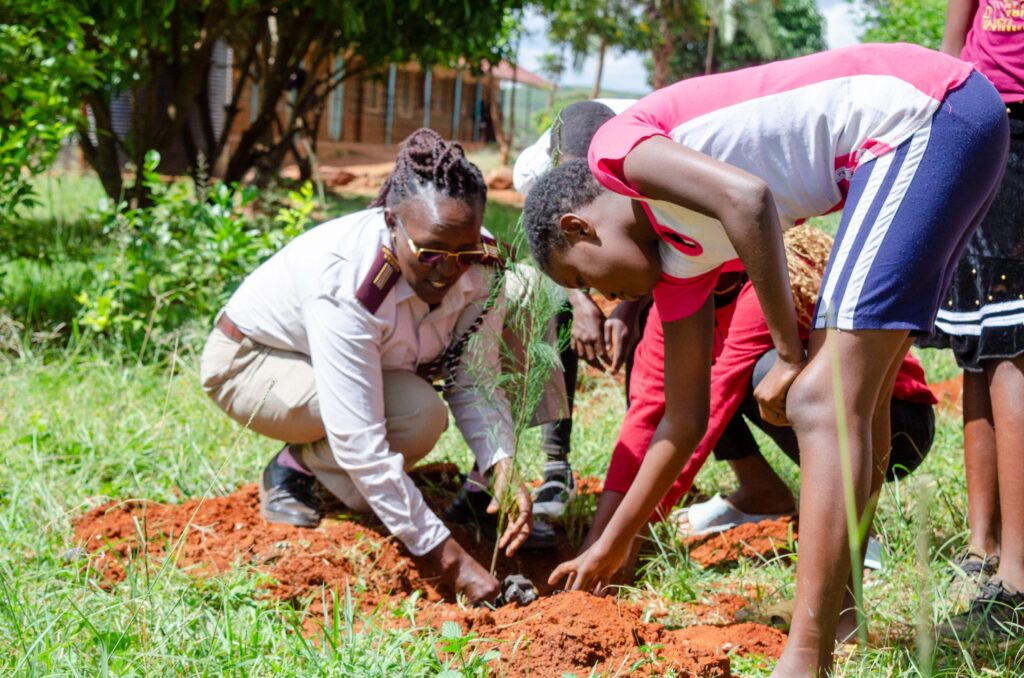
point(593, 569)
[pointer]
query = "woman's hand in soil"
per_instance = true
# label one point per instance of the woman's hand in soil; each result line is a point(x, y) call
point(772, 391)
point(520, 507)
point(587, 337)
point(592, 570)
point(463, 572)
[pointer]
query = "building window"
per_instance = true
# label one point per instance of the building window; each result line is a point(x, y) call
point(254, 101)
point(442, 94)
point(406, 92)
point(337, 103)
point(375, 96)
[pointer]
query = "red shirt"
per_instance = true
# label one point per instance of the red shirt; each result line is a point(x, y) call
point(741, 338)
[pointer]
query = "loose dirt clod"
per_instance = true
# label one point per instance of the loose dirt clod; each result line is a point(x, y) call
point(762, 540)
point(568, 632)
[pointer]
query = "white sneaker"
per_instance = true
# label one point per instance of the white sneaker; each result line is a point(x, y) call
point(557, 490)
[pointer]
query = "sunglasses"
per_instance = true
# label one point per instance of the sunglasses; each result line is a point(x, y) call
point(432, 257)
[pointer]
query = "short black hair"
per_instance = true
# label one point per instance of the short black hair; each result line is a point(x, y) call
point(564, 189)
point(426, 159)
point(574, 127)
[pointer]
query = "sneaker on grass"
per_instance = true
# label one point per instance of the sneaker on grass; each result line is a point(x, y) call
point(971, 570)
point(556, 491)
point(997, 614)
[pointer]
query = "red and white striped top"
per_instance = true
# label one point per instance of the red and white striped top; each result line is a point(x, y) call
point(802, 125)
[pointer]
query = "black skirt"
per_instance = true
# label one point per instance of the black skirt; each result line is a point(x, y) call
point(982, 315)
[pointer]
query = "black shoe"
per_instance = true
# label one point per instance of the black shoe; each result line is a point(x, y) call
point(470, 509)
point(287, 496)
point(996, 614)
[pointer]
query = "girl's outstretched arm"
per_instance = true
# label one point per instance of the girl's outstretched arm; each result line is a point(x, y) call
point(688, 345)
point(661, 169)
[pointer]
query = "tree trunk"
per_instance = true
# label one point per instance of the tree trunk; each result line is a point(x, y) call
point(551, 96)
point(596, 92)
point(512, 103)
point(102, 156)
point(709, 63)
point(496, 118)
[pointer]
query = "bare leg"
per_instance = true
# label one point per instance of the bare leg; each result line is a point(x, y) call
point(881, 445)
point(980, 463)
point(1007, 387)
point(823, 566)
point(759, 489)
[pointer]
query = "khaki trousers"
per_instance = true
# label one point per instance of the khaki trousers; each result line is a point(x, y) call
point(273, 392)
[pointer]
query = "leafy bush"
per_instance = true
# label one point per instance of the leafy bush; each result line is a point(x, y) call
point(183, 256)
point(37, 106)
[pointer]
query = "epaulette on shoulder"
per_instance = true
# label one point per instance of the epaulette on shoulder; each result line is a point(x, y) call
point(492, 254)
point(383, 275)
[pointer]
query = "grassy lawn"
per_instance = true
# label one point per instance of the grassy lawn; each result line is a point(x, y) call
point(89, 422)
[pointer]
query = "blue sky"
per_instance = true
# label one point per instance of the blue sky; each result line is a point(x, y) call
point(626, 72)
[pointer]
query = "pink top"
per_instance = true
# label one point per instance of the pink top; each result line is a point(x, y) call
point(802, 125)
point(995, 44)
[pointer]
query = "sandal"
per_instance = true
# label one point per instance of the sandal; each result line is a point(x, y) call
point(716, 515)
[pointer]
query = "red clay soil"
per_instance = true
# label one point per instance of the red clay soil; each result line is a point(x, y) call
point(949, 393)
point(758, 541)
point(560, 633)
point(576, 632)
point(222, 531)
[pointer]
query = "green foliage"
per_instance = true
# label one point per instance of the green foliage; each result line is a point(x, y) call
point(793, 28)
point(917, 21)
point(182, 257)
point(37, 105)
point(160, 52)
point(589, 26)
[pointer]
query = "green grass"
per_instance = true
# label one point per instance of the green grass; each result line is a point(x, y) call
point(88, 424)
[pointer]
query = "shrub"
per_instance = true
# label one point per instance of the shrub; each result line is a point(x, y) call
point(181, 257)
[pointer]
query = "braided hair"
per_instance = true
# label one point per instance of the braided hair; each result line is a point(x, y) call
point(807, 252)
point(427, 162)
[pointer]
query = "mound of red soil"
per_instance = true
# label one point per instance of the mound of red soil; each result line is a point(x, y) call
point(762, 540)
point(208, 536)
point(568, 632)
point(575, 632)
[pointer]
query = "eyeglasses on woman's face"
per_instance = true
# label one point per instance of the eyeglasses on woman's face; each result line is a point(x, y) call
point(434, 257)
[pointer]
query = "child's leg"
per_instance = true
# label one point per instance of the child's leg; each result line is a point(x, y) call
point(980, 464)
point(823, 565)
point(1006, 387)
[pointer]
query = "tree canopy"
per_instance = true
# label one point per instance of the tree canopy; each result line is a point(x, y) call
point(917, 21)
point(794, 28)
point(158, 56)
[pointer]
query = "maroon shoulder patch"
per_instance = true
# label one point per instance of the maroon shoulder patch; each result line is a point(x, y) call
point(378, 282)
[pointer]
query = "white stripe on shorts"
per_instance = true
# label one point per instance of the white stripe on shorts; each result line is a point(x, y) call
point(880, 227)
point(839, 257)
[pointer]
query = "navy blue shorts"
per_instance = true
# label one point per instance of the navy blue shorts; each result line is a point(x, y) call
point(910, 213)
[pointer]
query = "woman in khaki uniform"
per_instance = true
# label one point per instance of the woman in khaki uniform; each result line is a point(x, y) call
point(331, 346)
